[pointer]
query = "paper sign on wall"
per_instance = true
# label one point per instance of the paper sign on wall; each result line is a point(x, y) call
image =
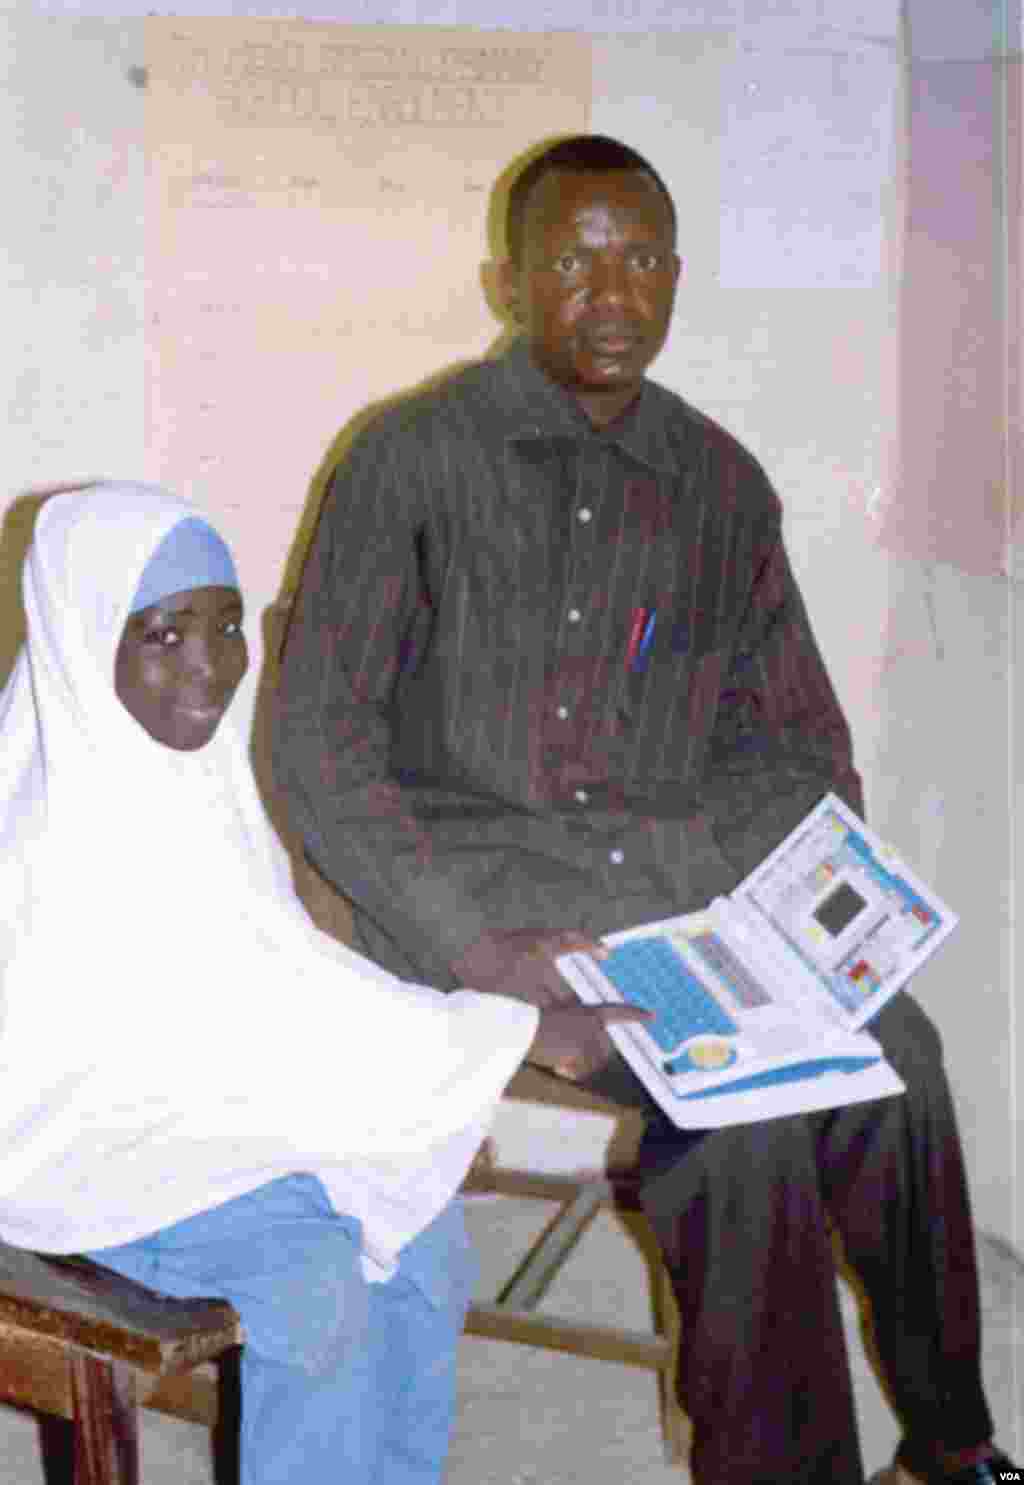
point(316, 229)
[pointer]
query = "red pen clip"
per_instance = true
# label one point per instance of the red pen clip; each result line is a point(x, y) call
point(636, 634)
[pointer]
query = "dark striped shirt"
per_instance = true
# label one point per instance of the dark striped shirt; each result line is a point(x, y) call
point(472, 733)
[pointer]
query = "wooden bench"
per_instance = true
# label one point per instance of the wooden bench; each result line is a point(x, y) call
point(81, 1343)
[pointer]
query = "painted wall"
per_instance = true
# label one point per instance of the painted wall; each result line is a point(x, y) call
point(881, 406)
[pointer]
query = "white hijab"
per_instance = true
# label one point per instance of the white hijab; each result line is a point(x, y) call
point(175, 1030)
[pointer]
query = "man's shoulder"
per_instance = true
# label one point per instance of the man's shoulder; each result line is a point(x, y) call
point(426, 444)
point(698, 440)
point(453, 403)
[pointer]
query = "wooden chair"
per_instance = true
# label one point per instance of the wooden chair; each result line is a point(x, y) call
point(82, 1343)
point(513, 1314)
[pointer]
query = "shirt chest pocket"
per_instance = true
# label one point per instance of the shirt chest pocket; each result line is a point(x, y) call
point(667, 636)
point(671, 689)
point(682, 626)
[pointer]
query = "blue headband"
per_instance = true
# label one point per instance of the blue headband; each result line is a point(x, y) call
point(191, 555)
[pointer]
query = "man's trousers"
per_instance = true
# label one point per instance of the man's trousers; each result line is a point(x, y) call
point(743, 1219)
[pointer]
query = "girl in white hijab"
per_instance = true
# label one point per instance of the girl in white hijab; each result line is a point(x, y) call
point(196, 1085)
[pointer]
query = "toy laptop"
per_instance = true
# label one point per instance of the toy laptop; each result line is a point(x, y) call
point(760, 1001)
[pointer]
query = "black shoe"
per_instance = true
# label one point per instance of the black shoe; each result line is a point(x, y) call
point(992, 1471)
point(996, 1470)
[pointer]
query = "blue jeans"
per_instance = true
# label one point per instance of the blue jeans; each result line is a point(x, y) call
point(342, 1381)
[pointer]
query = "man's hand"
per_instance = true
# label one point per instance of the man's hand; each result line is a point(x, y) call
point(571, 1040)
point(522, 964)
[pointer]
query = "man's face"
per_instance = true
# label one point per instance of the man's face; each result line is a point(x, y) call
point(179, 663)
point(596, 283)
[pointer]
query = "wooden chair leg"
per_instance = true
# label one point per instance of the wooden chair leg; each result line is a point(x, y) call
point(106, 1426)
point(530, 1282)
point(676, 1428)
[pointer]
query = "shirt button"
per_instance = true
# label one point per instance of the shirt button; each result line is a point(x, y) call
point(561, 712)
point(574, 616)
point(584, 515)
point(581, 796)
point(616, 857)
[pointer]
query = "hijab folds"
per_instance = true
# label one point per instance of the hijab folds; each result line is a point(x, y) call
point(175, 1031)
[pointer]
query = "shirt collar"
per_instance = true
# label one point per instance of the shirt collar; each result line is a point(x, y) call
point(542, 411)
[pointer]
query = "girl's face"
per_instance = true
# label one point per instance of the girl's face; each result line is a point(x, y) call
point(179, 664)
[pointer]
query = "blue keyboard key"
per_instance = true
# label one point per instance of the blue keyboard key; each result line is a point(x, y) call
point(648, 972)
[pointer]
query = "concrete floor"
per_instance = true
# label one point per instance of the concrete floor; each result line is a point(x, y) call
point(529, 1417)
point(572, 1421)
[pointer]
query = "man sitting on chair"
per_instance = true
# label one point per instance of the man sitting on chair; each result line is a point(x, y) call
point(477, 760)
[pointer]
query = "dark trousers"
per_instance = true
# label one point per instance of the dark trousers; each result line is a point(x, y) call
point(742, 1216)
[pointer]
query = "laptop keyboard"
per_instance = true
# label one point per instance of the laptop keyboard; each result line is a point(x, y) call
point(648, 972)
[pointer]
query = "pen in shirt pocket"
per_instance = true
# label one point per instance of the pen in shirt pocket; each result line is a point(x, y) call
point(641, 638)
